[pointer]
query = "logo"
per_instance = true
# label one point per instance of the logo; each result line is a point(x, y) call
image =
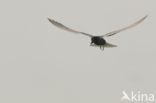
point(137, 96)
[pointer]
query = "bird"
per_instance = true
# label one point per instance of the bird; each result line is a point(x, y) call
point(97, 40)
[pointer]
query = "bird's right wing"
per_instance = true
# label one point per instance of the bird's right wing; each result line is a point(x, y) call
point(59, 25)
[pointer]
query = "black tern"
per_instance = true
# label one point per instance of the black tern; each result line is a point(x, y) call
point(97, 40)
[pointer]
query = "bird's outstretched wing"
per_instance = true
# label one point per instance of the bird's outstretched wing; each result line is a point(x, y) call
point(59, 25)
point(125, 28)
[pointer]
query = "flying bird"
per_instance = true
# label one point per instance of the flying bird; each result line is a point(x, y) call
point(97, 40)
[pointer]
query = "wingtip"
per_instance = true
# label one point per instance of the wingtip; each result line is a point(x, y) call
point(48, 18)
point(145, 16)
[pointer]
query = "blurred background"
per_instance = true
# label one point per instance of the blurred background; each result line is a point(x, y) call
point(40, 63)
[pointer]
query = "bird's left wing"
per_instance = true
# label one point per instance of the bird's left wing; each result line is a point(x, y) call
point(59, 25)
point(125, 28)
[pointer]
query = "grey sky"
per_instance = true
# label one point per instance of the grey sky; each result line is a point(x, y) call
point(40, 63)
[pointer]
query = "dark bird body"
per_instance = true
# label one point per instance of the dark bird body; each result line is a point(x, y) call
point(97, 40)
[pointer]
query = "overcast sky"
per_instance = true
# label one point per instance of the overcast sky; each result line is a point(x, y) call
point(40, 63)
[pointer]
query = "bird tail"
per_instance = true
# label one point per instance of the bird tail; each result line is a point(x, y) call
point(108, 45)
